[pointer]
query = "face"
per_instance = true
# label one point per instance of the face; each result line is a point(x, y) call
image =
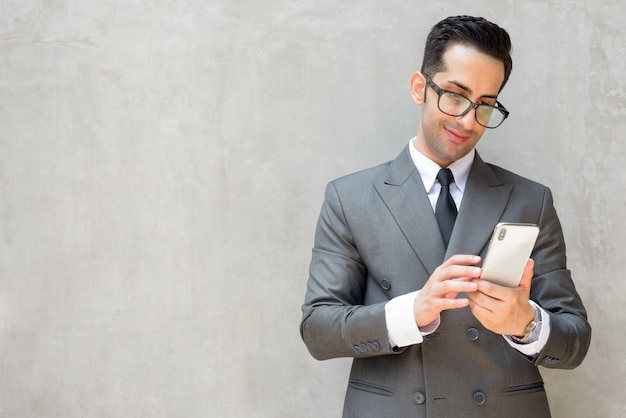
point(477, 76)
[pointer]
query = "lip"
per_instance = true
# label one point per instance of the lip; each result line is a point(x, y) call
point(456, 136)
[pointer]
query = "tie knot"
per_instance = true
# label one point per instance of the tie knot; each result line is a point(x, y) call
point(445, 177)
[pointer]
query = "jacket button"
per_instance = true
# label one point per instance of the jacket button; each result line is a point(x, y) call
point(473, 334)
point(385, 284)
point(479, 398)
point(419, 398)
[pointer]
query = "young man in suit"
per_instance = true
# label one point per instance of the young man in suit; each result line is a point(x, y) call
point(403, 296)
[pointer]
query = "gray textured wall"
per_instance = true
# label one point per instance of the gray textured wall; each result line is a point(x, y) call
point(162, 167)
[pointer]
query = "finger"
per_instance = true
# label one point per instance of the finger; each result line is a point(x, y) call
point(496, 291)
point(452, 303)
point(479, 299)
point(527, 276)
point(463, 259)
point(453, 272)
point(458, 286)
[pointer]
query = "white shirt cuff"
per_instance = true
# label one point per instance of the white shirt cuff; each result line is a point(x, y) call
point(401, 326)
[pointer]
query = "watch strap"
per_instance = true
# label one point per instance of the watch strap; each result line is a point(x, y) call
point(530, 328)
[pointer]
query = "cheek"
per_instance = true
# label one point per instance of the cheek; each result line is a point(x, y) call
point(431, 116)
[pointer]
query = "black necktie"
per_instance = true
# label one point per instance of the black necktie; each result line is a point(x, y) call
point(445, 211)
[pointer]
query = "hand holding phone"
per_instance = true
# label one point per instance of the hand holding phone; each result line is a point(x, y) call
point(509, 249)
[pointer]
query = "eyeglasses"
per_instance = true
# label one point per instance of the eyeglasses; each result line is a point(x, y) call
point(455, 104)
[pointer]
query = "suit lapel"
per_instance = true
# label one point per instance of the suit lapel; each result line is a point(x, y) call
point(484, 202)
point(403, 192)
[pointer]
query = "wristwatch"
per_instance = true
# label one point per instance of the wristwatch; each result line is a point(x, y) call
point(530, 328)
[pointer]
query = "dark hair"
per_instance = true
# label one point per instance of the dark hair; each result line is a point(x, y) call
point(475, 32)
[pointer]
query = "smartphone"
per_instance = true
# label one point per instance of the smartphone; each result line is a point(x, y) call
point(509, 249)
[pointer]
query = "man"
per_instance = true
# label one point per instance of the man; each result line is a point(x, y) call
point(390, 288)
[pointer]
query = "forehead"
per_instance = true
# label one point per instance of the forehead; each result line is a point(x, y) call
point(478, 72)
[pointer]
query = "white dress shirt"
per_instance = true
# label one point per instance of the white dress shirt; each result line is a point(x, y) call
point(400, 318)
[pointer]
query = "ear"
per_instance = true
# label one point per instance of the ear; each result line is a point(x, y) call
point(418, 87)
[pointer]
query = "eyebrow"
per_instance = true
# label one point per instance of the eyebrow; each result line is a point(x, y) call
point(469, 90)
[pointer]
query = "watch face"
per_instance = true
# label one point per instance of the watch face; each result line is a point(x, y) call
point(529, 329)
point(527, 333)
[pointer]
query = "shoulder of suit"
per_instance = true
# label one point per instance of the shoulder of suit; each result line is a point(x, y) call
point(367, 175)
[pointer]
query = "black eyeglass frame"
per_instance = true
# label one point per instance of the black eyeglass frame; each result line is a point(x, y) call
point(499, 107)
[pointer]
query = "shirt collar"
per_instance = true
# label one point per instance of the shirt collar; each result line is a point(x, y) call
point(428, 169)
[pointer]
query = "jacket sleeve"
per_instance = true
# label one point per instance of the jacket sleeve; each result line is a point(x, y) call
point(553, 289)
point(335, 321)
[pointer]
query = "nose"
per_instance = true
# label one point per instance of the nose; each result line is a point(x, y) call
point(468, 120)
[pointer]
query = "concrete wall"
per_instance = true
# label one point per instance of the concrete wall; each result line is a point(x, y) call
point(162, 167)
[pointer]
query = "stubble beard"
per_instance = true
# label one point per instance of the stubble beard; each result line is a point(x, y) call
point(442, 148)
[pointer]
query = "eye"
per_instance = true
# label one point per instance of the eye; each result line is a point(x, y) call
point(488, 102)
point(454, 100)
point(484, 112)
point(457, 99)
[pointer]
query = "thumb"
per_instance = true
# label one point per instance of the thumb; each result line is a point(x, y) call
point(527, 275)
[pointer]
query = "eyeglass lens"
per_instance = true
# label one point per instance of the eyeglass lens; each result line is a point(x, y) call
point(456, 105)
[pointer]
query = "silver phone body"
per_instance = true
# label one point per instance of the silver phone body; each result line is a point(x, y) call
point(509, 249)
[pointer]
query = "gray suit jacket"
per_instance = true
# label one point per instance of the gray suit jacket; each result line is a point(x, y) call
point(377, 238)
